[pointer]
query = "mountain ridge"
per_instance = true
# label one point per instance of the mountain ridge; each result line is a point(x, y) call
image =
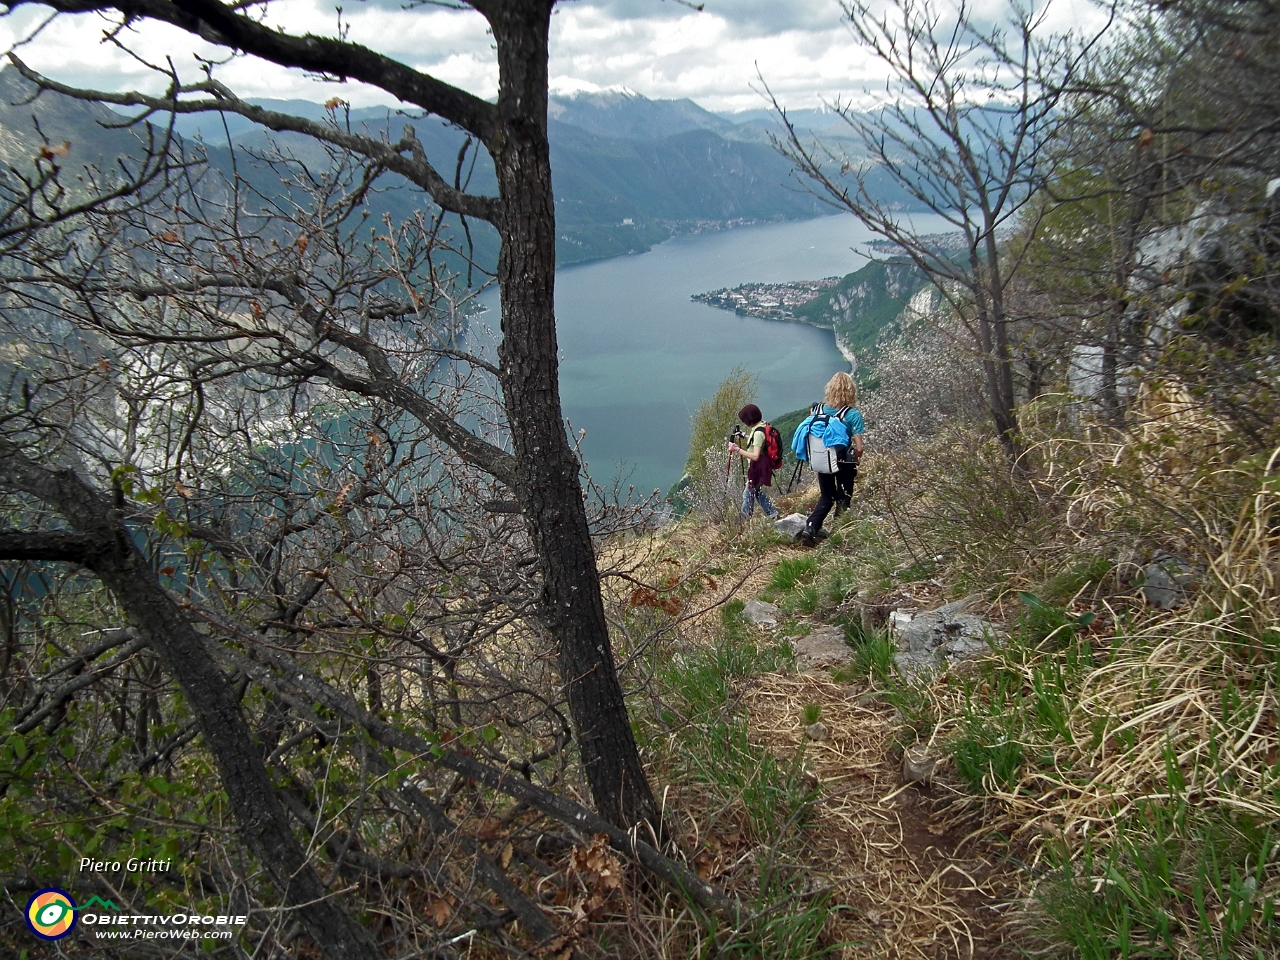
point(628, 173)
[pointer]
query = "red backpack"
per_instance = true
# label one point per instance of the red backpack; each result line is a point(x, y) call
point(773, 446)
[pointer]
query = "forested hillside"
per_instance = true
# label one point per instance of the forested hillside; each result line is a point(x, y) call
point(866, 302)
point(629, 172)
point(656, 175)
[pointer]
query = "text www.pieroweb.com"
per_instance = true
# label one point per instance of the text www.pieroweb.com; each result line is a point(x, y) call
point(140, 933)
point(163, 927)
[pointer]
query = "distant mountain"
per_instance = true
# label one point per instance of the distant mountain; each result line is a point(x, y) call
point(688, 177)
point(614, 194)
point(625, 115)
point(628, 172)
point(90, 131)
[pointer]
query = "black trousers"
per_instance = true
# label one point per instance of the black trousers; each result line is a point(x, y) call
point(832, 487)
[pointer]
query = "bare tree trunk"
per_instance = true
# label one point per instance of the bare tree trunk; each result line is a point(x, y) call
point(544, 473)
point(952, 155)
point(108, 549)
point(549, 491)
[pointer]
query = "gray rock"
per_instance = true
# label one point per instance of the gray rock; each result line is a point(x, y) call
point(760, 613)
point(918, 765)
point(817, 731)
point(791, 525)
point(823, 649)
point(912, 664)
point(957, 606)
point(964, 647)
point(929, 640)
point(1166, 582)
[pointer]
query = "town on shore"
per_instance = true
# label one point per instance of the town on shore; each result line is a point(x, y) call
point(771, 301)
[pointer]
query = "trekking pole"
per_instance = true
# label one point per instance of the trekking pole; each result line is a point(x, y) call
point(795, 475)
point(728, 472)
point(728, 463)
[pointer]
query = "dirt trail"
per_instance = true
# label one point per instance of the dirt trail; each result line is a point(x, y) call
point(896, 855)
point(909, 867)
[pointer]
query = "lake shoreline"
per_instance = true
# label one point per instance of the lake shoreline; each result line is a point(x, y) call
point(778, 301)
point(637, 355)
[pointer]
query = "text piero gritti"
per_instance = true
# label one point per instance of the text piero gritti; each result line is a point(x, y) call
point(132, 865)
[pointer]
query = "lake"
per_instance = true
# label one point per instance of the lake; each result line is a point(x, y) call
point(637, 356)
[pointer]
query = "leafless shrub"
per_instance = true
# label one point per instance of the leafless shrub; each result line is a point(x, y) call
point(924, 380)
point(217, 364)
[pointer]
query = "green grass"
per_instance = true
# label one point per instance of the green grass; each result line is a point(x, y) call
point(790, 572)
point(873, 653)
point(1042, 623)
point(1165, 876)
point(1066, 586)
point(713, 747)
point(811, 584)
point(1004, 711)
point(1176, 881)
point(988, 748)
point(806, 599)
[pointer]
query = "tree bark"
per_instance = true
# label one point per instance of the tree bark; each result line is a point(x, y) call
point(545, 472)
point(549, 491)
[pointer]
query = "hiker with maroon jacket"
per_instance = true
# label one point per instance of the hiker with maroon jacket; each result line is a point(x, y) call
point(760, 473)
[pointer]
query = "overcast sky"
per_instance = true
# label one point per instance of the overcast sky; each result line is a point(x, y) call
point(658, 48)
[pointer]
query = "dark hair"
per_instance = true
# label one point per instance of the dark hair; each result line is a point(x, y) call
point(750, 415)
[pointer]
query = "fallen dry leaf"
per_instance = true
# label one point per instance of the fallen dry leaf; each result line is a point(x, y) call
point(439, 910)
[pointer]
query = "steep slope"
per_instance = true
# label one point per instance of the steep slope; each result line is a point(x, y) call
point(696, 175)
point(862, 304)
point(613, 195)
point(90, 130)
point(629, 172)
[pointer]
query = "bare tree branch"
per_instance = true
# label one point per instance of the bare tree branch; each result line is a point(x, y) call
point(413, 168)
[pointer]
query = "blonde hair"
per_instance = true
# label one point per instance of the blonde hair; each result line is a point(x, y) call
point(841, 391)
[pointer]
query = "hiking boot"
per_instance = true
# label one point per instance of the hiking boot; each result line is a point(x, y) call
point(807, 538)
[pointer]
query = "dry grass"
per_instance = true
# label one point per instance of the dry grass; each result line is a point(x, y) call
point(898, 882)
point(890, 851)
point(1174, 713)
point(1178, 711)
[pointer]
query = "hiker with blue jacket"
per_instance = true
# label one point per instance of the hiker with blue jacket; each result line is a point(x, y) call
point(830, 439)
point(760, 473)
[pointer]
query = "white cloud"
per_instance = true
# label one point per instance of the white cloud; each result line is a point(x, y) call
point(659, 49)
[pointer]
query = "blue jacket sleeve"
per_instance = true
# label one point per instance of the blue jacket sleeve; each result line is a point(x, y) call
point(798, 446)
point(836, 433)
